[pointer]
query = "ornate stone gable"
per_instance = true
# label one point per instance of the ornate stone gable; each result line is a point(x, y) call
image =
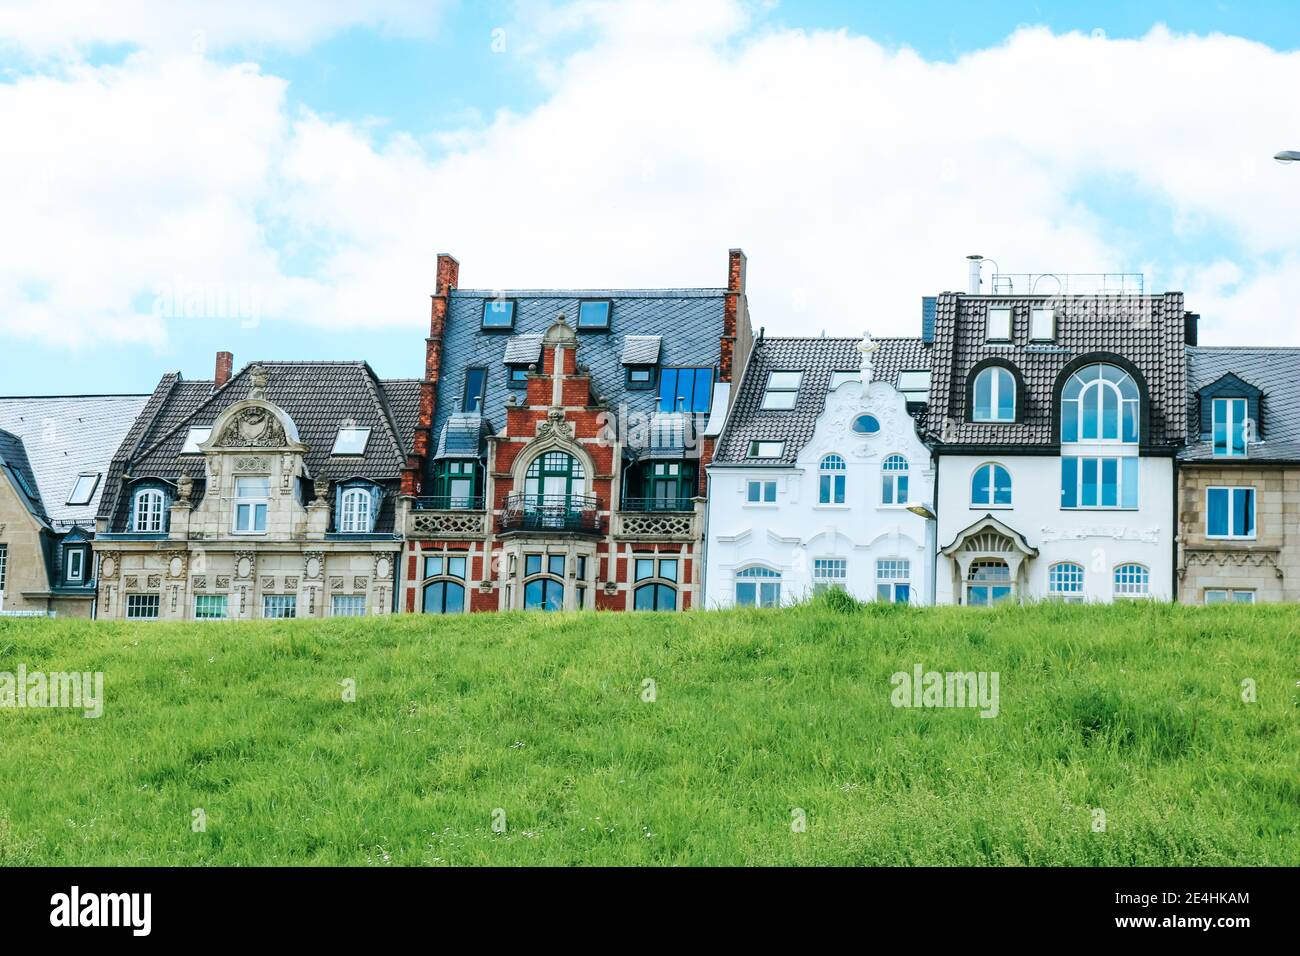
point(254, 426)
point(834, 431)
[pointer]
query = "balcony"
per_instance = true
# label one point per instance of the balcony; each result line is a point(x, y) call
point(657, 519)
point(565, 514)
point(447, 516)
point(658, 505)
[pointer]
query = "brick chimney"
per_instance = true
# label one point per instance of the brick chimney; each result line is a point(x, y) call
point(448, 275)
point(225, 362)
point(731, 317)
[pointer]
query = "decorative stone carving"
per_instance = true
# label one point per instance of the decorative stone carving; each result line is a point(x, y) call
point(154, 582)
point(253, 427)
point(268, 584)
point(383, 567)
point(314, 565)
point(336, 584)
point(1115, 532)
point(223, 583)
point(555, 426)
point(360, 583)
point(321, 487)
point(291, 583)
point(656, 525)
point(444, 524)
point(107, 562)
point(260, 380)
point(252, 464)
point(868, 347)
point(177, 564)
point(201, 582)
point(130, 582)
point(184, 489)
point(245, 564)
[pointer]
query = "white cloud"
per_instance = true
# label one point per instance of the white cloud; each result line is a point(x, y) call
point(856, 177)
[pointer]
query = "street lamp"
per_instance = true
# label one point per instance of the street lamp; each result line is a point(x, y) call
point(1288, 156)
point(923, 511)
point(926, 511)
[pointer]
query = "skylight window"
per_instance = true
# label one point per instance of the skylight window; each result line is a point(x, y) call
point(782, 391)
point(593, 314)
point(1042, 325)
point(351, 441)
point(766, 449)
point(999, 325)
point(839, 378)
point(499, 314)
point(84, 489)
point(915, 385)
point(196, 436)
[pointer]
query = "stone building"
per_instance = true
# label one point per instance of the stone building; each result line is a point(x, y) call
point(54, 453)
point(1239, 477)
point(272, 494)
point(566, 437)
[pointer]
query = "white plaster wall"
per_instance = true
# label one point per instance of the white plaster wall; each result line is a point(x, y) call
point(1098, 540)
point(794, 531)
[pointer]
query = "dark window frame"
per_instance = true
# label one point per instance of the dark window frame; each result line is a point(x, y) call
point(609, 315)
point(514, 314)
point(482, 392)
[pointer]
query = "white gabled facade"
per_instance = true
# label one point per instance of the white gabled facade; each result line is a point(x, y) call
point(825, 518)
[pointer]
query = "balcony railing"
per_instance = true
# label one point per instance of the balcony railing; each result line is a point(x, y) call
point(449, 503)
point(571, 513)
point(656, 505)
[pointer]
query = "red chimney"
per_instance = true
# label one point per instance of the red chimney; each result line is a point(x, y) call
point(225, 362)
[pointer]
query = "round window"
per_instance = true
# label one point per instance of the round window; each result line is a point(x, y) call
point(866, 425)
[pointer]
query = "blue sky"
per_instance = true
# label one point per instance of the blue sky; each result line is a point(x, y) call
point(312, 165)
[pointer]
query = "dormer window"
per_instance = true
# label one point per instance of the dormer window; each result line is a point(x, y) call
point(1229, 426)
point(640, 377)
point(84, 490)
point(686, 390)
point(915, 385)
point(995, 395)
point(351, 441)
point(782, 391)
point(356, 514)
point(518, 376)
point(252, 500)
point(195, 437)
point(766, 449)
point(499, 314)
point(148, 511)
point(846, 375)
point(998, 325)
point(475, 392)
point(593, 315)
point(74, 565)
point(1042, 325)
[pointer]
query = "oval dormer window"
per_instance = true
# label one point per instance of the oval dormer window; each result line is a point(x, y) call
point(866, 424)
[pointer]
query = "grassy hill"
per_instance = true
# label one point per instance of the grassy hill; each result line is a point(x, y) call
point(756, 717)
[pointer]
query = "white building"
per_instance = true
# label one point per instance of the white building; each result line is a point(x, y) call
point(1059, 419)
point(815, 472)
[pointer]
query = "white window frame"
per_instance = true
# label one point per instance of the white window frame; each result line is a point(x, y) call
point(779, 395)
point(362, 436)
point(1122, 462)
point(81, 555)
point(842, 376)
point(353, 605)
point(354, 511)
point(757, 445)
point(283, 606)
point(767, 577)
point(998, 319)
point(1229, 595)
point(830, 572)
point(915, 384)
point(252, 502)
point(1037, 318)
point(75, 500)
point(1232, 513)
point(992, 504)
point(833, 466)
point(763, 485)
point(196, 436)
point(222, 600)
point(1229, 403)
point(893, 573)
point(1069, 596)
point(889, 496)
point(156, 512)
point(999, 373)
point(1130, 589)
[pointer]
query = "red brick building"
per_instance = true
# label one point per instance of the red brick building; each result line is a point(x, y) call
point(563, 436)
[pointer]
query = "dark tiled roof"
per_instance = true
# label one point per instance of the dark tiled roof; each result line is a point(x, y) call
point(688, 322)
point(320, 397)
point(817, 359)
point(13, 460)
point(1148, 331)
point(1275, 372)
point(523, 349)
point(66, 436)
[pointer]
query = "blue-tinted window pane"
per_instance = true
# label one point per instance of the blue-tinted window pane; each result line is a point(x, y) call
point(1243, 518)
point(1238, 430)
point(1069, 482)
point(1070, 421)
point(1090, 412)
point(1109, 413)
point(1001, 486)
point(839, 489)
point(746, 594)
point(984, 395)
point(475, 381)
point(1089, 497)
point(668, 390)
point(498, 315)
point(1006, 396)
point(979, 492)
point(1110, 482)
point(1216, 521)
point(902, 594)
point(901, 489)
point(1220, 426)
point(1130, 421)
point(754, 491)
point(703, 390)
point(555, 565)
point(1130, 496)
point(533, 564)
point(769, 491)
point(593, 315)
point(432, 567)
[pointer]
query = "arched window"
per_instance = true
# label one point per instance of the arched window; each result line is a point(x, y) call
point(866, 424)
point(444, 587)
point(990, 487)
point(987, 582)
point(150, 511)
point(655, 579)
point(1100, 403)
point(758, 587)
point(544, 582)
point(554, 474)
point(1132, 580)
point(1065, 582)
point(832, 480)
point(355, 512)
point(994, 395)
point(893, 480)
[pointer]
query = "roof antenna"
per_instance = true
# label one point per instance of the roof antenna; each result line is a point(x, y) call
point(762, 331)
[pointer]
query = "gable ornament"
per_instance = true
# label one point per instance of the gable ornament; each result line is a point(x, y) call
point(253, 427)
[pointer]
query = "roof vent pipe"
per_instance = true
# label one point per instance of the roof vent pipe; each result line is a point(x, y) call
point(973, 285)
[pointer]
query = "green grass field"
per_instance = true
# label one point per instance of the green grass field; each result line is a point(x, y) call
point(757, 715)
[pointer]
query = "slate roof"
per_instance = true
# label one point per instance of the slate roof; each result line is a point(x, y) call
point(523, 349)
point(817, 358)
point(18, 470)
point(687, 321)
point(641, 349)
point(1149, 331)
point(1275, 372)
point(319, 397)
point(66, 436)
